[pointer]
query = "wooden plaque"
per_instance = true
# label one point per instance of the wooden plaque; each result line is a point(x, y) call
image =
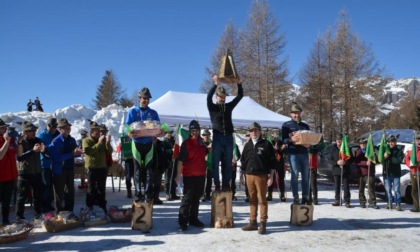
point(142, 216)
point(301, 215)
point(221, 210)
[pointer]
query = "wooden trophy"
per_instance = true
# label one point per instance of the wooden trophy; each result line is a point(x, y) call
point(142, 216)
point(221, 210)
point(301, 215)
point(227, 70)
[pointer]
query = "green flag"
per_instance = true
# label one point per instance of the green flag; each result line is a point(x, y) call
point(344, 149)
point(235, 148)
point(370, 150)
point(383, 148)
point(413, 156)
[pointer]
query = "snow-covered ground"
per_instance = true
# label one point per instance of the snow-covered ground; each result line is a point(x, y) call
point(333, 229)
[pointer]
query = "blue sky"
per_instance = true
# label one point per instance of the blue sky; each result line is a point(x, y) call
point(59, 50)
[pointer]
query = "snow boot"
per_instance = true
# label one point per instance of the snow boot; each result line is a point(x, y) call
point(251, 226)
point(262, 228)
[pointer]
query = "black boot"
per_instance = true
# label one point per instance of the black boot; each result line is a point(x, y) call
point(270, 196)
point(129, 195)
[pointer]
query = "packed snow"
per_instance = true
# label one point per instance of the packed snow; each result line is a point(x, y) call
point(333, 228)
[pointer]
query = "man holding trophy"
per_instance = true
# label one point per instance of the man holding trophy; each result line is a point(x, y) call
point(221, 119)
point(138, 118)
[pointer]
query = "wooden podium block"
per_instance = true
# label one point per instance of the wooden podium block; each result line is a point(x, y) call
point(221, 210)
point(142, 216)
point(301, 215)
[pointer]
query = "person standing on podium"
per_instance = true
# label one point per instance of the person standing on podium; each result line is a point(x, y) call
point(221, 119)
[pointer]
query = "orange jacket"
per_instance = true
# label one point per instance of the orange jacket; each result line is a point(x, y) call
point(413, 169)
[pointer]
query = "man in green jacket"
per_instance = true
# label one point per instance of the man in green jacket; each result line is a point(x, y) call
point(96, 146)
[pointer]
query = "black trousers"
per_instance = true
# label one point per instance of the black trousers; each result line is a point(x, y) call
point(96, 187)
point(25, 183)
point(193, 190)
point(313, 189)
point(346, 187)
point(280, 174)
point(64, 190)
point(157, 181)
point(144, 174)
point(47, 187)
point(209, 181)
point(128, 172)
point(6, 189)
point(170, 184)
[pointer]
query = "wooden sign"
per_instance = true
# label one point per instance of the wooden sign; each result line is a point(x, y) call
point(301, 215)
point(221, 210)
point(142, 216)
point(227, 70)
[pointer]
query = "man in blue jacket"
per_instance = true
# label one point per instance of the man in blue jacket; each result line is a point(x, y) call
point(297, 154)
point(63, 149)
point(143, 150)
point(46, 136)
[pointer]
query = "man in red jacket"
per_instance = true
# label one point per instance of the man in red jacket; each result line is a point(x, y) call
point(192, 166)
point(415, 173)
point(8, 172)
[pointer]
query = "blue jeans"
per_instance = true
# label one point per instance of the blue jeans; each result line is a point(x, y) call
point(395, 182)
point(299, 163)
point(222, 144)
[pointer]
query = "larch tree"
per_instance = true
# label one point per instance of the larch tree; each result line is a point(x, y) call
point(261, 54)
point(343, 71)
point(228, 40)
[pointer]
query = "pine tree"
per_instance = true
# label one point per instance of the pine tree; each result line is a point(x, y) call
point(108, 92)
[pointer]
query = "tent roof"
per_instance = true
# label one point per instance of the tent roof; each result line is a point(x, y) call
point(181, 107)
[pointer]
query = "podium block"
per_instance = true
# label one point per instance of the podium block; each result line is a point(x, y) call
point(142, 216)
point(221, 210)
point(301, 215)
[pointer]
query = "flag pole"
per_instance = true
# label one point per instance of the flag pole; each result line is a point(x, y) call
point(388, 181)
point(341, 182)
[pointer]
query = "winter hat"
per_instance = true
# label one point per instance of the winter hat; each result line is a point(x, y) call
point(2, 124)
point(28, 126)
point(295, 108)
point(63, 123)
point(254, 125)
point(145, 92)
point(339, 136)
point(194, 125)
point(221, 91)
point(52, 122)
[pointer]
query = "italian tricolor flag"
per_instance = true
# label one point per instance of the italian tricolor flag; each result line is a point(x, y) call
point(344, 149)
point(413, 156)
point(181, 135)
